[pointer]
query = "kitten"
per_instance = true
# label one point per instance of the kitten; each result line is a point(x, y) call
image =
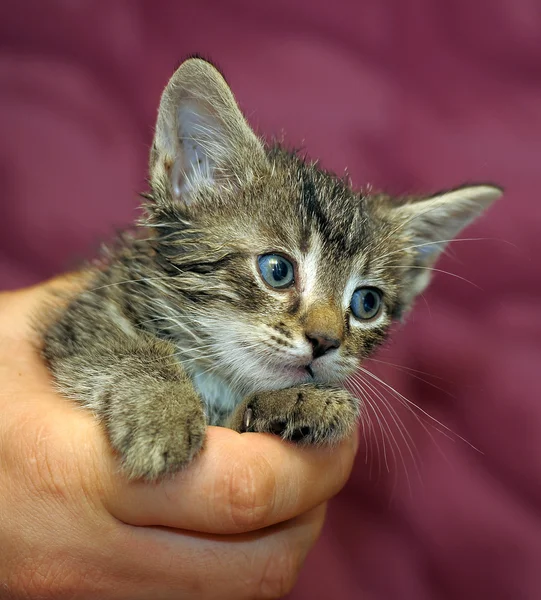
point(256, 285)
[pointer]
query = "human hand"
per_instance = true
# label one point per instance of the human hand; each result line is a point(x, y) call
point(237, 523)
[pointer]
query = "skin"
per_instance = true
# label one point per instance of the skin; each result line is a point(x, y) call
point(238, 523)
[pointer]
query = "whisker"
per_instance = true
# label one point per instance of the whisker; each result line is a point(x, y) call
point(401, 399)
point(424, 426)
point(403, 368)
point(402, 430)
point(435, 243)
point(413, 373)
point(141, 279)
point(398, 395)
point(377, 412)
point(437, 270)
point(369, 405)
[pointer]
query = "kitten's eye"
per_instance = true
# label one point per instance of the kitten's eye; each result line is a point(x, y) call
point(276, 270)
point(366, 303)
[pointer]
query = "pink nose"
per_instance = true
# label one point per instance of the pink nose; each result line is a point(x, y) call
point(321, 344)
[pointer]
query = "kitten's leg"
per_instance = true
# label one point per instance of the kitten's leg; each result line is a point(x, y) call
point(152, 414)
point(309, 414)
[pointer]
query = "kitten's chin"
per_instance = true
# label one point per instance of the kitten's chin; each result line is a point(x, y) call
point(295, 375)
point(278, 378)
point(317, 372)
point(328, 371)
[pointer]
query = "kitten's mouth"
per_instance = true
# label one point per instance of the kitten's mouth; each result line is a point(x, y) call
point(300, 373)
point(315, 372)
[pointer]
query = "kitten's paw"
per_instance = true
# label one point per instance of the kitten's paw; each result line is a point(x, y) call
point(306, 414)
point(159, 436)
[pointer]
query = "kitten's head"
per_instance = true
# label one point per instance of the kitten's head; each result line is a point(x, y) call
point(281, 273)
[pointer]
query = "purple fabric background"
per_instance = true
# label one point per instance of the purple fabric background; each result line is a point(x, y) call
point(409, 95)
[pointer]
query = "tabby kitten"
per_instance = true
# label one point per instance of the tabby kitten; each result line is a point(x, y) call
point(255, 286)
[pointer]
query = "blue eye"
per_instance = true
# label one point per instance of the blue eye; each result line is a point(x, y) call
point(276, 270)
point(365, 303)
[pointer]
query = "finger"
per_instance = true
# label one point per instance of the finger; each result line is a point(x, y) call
point(265, 563)
point(238, 483)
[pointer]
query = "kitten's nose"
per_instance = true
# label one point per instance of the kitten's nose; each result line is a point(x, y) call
point(321, 344)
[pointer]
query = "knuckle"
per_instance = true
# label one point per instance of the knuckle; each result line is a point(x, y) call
point(30, 448)
point(251, 487)
point(48, 464)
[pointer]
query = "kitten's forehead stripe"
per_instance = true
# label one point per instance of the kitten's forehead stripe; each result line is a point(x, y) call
point(311, 204)
point(333, 210)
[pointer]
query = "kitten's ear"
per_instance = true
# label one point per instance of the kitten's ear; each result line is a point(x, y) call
point(433, 222)
point(202, 138)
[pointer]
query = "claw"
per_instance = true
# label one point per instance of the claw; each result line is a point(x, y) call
point(247, 419)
